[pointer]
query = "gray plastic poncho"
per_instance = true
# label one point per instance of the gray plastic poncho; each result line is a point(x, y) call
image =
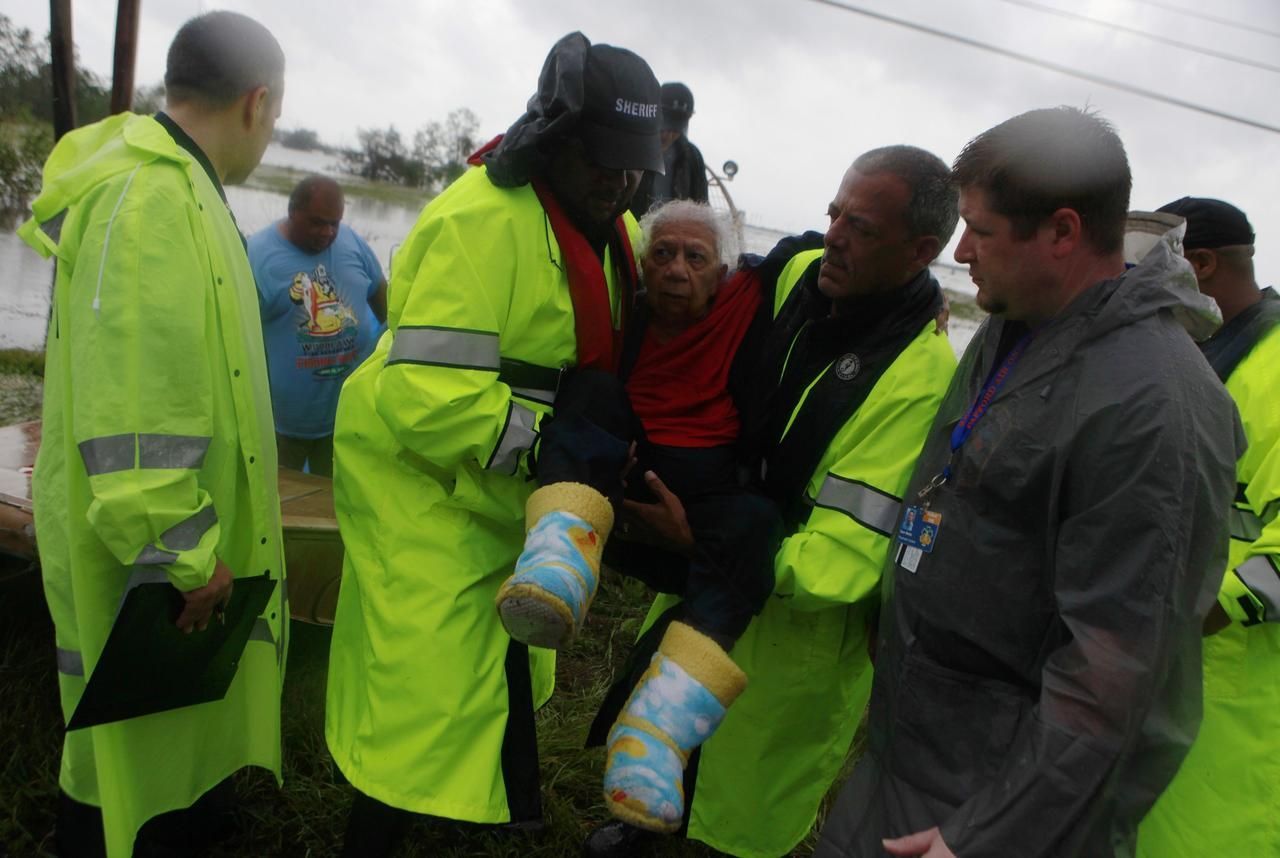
point(1038, 680)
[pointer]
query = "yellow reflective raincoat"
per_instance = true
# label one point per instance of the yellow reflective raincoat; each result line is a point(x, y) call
point(158, 452)
point(761, 777)
point(430, 702)
point(1225, 797)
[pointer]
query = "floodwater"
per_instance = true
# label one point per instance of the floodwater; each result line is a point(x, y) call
point(25, 278)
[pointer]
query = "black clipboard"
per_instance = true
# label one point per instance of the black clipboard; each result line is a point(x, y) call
point(150, 665)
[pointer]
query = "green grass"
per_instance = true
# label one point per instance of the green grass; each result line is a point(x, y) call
point(19, 396)
point(282, 180)
point(307, 816)
point(21, 362)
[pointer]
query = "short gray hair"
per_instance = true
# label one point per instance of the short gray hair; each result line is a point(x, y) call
point(933, 208)
point(673, 211)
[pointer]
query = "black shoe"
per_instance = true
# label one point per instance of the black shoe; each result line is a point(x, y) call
point(616, 839)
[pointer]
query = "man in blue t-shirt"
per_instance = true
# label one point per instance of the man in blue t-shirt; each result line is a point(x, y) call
point(323, 299)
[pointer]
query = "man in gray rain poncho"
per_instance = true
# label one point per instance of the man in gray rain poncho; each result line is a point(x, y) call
point(1063, 537)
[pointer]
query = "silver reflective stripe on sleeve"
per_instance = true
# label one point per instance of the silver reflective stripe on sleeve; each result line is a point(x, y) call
point(1245, 526)
point(869, 507)
point(108, 453)
point(546, 397)
point(172, 451)
point(70, 662)
point(517, 436)
point(185, 535)
point(152, 556)
point(112, 453)
point(1262, 579)
point(452, 347)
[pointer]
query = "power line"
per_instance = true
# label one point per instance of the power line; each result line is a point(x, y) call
point(1223, 21)
point(1143, 34)
point(1061, 69)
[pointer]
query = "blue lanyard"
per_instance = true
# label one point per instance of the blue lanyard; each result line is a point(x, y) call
point(976, 412)
point(978, 409)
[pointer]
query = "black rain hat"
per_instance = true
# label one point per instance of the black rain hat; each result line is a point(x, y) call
point(1210, 223)
point(677, 107)
point(620, 115)
point(604, 95)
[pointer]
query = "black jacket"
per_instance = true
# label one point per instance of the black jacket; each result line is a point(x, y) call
point(689, 181)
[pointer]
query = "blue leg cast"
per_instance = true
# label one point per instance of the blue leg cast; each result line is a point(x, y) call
point(545, 601)
point(676, 706)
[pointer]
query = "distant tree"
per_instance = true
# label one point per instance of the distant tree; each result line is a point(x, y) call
point(26, 111)
point(26, 82)
point(301, 138)
point(24, 141)
point(437, 157)
point(23, 149)
point(442, 147)
point(381, 155)
point(20, 64)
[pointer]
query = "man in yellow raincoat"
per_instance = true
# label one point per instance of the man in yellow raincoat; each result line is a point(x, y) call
point(158, 459)
point(1225, 795)
point(521, 268)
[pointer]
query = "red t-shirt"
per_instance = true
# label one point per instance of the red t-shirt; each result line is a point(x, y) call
point(680, 389)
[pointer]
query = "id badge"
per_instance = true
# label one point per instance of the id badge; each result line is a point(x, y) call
point(917, 535)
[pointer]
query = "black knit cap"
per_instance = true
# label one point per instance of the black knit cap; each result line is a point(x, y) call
point(1210, 223)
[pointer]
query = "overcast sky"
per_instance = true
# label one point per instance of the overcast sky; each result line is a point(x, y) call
point(792, 90)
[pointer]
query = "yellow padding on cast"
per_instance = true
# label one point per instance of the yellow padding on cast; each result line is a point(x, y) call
point(704, 660)
point(577, 498)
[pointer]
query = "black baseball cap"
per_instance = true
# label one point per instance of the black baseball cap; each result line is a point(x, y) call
point(1210, 223)
point(677, 107)
point(621, 116)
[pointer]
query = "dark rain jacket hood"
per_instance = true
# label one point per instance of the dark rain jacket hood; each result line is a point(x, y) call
point(551, 114)
point(1039, 677)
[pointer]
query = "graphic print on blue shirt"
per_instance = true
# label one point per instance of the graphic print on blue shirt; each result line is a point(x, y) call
point(327, 333)
point(316, 323)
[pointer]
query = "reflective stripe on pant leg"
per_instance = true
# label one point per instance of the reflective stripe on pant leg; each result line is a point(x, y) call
point(867, 505)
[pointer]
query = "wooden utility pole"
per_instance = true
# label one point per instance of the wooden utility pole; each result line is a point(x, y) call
point(62, 66)
point(126, 52)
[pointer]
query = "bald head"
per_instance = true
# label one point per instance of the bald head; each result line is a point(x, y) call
point(316, 207)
